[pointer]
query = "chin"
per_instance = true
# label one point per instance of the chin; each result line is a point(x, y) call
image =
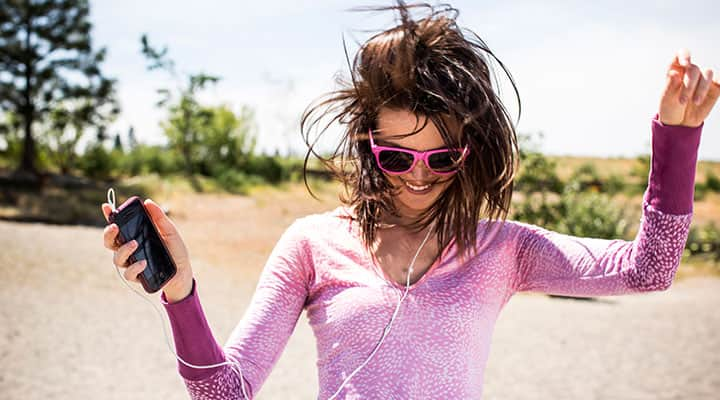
point(411, 202)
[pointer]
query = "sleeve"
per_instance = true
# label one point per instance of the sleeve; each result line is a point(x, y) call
point(561, 264)
point(260, 337)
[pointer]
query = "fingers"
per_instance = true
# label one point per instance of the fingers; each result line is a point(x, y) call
point(674, 82)
point(686, 82)
point(703, 87)
point(122, 254)
point(156, 212)
point(162, 222)
point(134, 270)
point(690, 82)
point(106, 209)
point(110, 234)
point(711, 97)
point(683, 57)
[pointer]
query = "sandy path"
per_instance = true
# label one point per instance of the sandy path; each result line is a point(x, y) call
point(69, 329)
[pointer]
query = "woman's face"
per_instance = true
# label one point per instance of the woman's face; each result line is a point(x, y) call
point(418, 188)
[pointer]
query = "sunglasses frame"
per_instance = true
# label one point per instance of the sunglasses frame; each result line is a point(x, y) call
point(417, 155)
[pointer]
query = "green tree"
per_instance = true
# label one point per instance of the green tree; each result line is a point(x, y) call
point(97, 162)
point(227, 140)
point(117, 143)
point(186, 115)
point(46, 58)
point(641, 171)
point(10, 126)
point(70, 119)
point(537, 172)
point(567, 208)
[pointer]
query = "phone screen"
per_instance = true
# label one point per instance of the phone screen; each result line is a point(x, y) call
point(135, 224)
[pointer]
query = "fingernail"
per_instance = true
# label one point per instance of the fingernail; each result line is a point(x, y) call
point(697, 100)
point(133, 243)
point(683, 99)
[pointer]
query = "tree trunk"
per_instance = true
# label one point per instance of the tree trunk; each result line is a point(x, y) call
point(27, 163)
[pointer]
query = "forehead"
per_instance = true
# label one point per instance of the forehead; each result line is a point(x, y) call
point(402, 122)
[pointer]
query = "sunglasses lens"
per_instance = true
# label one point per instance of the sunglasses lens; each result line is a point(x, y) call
point(395, 161)
point(446, 161)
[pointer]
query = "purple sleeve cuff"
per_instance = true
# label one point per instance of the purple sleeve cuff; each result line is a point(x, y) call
point(671, 184)
point(194, 341)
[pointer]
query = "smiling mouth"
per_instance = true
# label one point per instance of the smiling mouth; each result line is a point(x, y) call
point(420, 189)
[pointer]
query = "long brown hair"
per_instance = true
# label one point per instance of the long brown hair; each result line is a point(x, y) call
point(438, 71)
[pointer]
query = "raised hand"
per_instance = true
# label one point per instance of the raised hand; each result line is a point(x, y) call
point(689, 94)
point(181, 284)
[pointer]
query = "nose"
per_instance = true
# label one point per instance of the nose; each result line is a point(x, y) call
point(420, 173)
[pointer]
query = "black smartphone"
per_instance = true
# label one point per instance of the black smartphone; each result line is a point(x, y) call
point(135, 224)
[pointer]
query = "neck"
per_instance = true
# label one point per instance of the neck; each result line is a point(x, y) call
point(405, 217)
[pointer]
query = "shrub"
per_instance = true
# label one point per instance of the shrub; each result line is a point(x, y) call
point(144, 159)
point(273, 169)
point(712, 182)
point(537, 174)
point(592, 215)
point(614, 184)
point(704, 240)
point(237, 182)
point(97, 163)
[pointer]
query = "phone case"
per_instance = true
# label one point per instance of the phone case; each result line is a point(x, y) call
point(135, 224)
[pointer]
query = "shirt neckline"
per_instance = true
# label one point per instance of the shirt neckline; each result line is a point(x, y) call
point(353, 229)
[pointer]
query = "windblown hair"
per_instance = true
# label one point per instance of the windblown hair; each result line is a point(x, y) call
point(438, 71)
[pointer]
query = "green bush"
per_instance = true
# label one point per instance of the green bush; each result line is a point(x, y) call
point(237, 182)
point(586, 177)
point(272, 169)
point(537, 174)
point(98, 163)
point(712, 182)
point(640, 172)
point(591, 215)
point(700, 192)
point(614, 184)
point(704, 240)
point(576, 213)
point(144, 159)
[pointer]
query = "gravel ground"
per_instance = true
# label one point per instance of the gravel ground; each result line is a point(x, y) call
point(69, 328)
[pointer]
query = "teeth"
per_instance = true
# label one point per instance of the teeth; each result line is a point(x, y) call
point(417, 188)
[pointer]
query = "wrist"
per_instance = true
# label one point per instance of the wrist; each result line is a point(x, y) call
point(178, 290)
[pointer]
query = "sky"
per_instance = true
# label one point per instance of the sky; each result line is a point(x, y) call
point(590, 74)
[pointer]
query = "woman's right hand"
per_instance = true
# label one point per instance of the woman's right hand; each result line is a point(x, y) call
point(180, 285)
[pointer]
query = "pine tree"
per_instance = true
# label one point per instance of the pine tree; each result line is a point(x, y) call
point(42, 44)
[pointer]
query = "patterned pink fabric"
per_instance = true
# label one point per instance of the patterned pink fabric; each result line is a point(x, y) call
point(440, 341)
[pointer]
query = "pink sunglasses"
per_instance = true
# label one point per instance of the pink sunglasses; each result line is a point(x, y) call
point(398, 161)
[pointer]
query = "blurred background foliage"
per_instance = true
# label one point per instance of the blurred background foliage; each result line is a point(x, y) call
point(53, 94)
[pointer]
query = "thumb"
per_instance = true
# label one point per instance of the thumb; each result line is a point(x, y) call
point(162, 222)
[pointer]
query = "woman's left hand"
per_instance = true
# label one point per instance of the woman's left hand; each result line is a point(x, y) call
point(689, 94)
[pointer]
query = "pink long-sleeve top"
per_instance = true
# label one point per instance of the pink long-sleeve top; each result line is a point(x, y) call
point(440, 340)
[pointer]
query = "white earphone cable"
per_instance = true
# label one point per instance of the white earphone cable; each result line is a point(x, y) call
point(389, 325)
point(170, 347)
point(232, 364)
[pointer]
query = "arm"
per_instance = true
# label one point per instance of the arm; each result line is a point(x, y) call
point(555, 263)
point(259, 338)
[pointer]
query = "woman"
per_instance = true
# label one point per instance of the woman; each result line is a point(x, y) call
point(402, 285)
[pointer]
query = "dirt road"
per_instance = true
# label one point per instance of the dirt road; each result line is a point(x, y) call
point(69, 328)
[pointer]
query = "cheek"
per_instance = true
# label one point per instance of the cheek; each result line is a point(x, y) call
point(442, 185)
point(394, 180)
